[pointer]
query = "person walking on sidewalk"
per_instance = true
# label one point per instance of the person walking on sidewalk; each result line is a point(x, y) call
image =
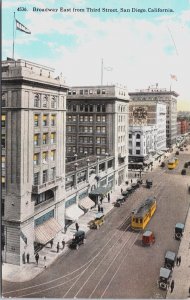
point(77, 226)
point(131, 180)
point(63, 244)
point(28, 258)
point(58, 247)
point(98, 207)
point(101, 199)
point(108, 197)
point(172, 286)
point(37, 258)
point(51, 243)
point(121, 190)
point(179, 260)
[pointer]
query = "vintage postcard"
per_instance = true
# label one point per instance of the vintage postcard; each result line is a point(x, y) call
point(95, 149)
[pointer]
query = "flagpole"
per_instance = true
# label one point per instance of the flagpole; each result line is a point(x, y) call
point(13, 37)
point(102, 70)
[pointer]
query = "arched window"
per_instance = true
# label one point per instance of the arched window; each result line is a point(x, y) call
point(138, 136)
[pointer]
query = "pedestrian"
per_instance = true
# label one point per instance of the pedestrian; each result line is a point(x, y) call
point(98, 207)
point(102, 209)
point(23, 258)
point(28, 258)
point(131, 180)
point(37, 258)
point(101, 199)
point(51, 243)
point(135, 175)
point(108, 197)
point(77, 226)
point(58, 247)
point(63, 244)
point(44, 261)
point(121, 190)
point(172, 286)
point(179, 260)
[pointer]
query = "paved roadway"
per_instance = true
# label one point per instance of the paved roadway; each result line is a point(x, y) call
point(113, 263)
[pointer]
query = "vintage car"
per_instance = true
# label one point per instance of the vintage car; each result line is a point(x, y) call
point(164, 279)
point(98, 221)
point(125, 194)
point(77, 240)
point(135, 185)
point(177, 153)
point(169, 260)
point(183, 172)
point(179, 228)
point(129, 190)
point(119, 201)
point(149, 183)
point(148, 238)
point(163, 164)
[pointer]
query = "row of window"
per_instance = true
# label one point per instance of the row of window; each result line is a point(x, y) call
point(86, 118)
point(121, 118)
point(45, 138)
point(86, 150)
point(46, 176)
point(121, 128)
point(45, 101)
point(86, 129)
point(44, 157)
point(138, 144)
point(138, 136)
point(46, 120)
point(86, 107)
point(131, 151)
point(87, 92)
point(121, 139)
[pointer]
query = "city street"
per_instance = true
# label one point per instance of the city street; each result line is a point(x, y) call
point(113, 263)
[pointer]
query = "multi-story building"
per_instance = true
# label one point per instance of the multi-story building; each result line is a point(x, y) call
point(161, 96)
point(147, 129)
point(184, 126)
point(97, 123)
point(33, 157)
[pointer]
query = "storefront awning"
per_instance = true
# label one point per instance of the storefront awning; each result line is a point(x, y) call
point(101, 191)
point(86, 203)
point(47, 231)
point(73, 212)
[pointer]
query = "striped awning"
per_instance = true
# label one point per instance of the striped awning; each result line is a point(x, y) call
point(47, 231)
point(86, 203)
point(73, 212)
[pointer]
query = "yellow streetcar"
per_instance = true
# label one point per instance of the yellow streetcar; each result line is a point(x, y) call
point(143, 214)
point(172, 163)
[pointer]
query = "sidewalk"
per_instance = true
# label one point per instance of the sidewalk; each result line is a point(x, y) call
point(27, 272)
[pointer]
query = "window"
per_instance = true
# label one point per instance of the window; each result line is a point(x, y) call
point(98, 108)
point(97, 150)
point(74, 107)
point(53, 138)
point(45, 157)
point(52, 174)
point(130, 136)
point(45, 138)
point(86, 92)
point(103, 118)
point(138, 144)
point(45, 120)
point(69, 139)
point(86, 118)
point(103, 129)
point(103, 140)
point(69, 149)
point(74, 118)
point(53, 117)
point(3, 211)
point(45, 101)
point(81, 149)
point(103, 92)
point(98, 91)
point(52, 155)
point(98, 129)
point(81, 118)
point(86, 108)
point(91, 118)
point(36, 120)
point(130, 151)
point(3, 182)
point(3, 162)
point(74, 92)
point(103, 108)
point(54, 102)
point(3, 120)
point(90, 129)
point(36, 159)
point(37, 100)
point(103, 150)
point(69, 128)
point(69, 92)
point(36, 140)
point(98, 140)
point(137, 151)
point(36, 178)
point(91, 108)
point(138, 136)
point(45, 176)
point(81, 107)
point(98, 119)
point(90, 150)
point(3, 140)
point(81, 92)
point(90, 91)
point(90, 140)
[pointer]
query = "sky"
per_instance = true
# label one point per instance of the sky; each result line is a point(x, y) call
point(140, 47)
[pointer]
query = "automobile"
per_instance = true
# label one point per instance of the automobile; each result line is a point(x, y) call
point(181, 149)
point(129, 190)
point(125, 194)
point(149, 183)
point(186, 165)
point(98, 221)
point(139, 181)
point(119, 201)
point(164, 279)
point(163, 164)
point(169, 260)
point(77, 239)
point(177, 153)
point(148, 238)
point(183, 172)
point(135, 185)
point(179, 228)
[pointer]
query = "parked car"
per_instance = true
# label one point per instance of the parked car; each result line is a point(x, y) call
point(177, 153)
point(125, 194)
point(97, 222)
point(183, 172)
point(186, 165)
point(181, 149)
point(169, 260)
point(135, 185)
point(163, 164)
point(149, 183)
point(179, 228)
point(77, 240)
point(148, 238)
point(129, 190)
point(119, 201)
point(164, 279)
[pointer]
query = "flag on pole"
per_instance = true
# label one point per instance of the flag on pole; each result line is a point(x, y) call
point(21, 27)
point(174, 77)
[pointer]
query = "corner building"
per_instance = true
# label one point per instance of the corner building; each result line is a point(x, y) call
point(33, 155)
point(97, 124)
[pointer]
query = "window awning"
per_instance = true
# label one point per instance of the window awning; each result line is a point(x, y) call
point(86, 203)
point(73, 212)
point(100, 191)
point(47, 231)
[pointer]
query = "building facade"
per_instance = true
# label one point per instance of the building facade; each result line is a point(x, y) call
point(161, 96)
point(33, 156)
point(97, 124)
